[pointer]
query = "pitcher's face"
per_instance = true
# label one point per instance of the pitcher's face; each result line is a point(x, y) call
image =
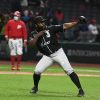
point(41, 25)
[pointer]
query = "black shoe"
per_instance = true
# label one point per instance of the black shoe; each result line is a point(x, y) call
point(34, 90)
point(81, 93)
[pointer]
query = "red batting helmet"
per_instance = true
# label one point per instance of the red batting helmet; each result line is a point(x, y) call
point(17, 13)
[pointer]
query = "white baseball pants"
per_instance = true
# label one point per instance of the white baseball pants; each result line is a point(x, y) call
point(16, 46)
point(59, 57)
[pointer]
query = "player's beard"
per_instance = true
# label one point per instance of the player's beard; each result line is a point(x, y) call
point(41, 28)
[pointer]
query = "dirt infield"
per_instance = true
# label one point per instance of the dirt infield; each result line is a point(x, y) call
point(34, 62)
point(73, 64)
point(47, 74)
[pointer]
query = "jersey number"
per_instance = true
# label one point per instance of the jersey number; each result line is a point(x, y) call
point(47, 34)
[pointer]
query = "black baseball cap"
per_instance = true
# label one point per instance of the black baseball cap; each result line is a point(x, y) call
point(39, 19)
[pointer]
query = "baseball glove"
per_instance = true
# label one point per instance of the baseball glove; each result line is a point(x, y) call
point(82, 20)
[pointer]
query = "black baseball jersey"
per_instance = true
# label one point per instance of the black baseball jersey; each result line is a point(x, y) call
point(48, 43)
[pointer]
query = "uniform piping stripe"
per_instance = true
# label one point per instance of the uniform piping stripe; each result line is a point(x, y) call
point(47, 45)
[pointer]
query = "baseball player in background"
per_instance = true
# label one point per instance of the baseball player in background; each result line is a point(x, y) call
point(16, 35)
point(46, 41)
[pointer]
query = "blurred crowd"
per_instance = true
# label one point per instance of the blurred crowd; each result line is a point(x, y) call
point(89, 32)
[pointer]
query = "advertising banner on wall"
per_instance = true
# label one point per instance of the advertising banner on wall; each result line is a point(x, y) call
point(82, 52)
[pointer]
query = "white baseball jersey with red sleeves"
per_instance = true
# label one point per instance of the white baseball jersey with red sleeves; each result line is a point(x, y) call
point(16, 29)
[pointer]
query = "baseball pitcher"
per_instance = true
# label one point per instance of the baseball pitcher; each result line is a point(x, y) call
point(46, 41)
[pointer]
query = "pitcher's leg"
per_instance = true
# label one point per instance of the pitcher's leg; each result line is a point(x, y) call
point(42, 65)
point(75, 79)
point(62, 59)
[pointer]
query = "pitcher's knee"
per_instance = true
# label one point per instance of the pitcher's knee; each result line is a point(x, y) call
point(37, 71)
point(69, 72)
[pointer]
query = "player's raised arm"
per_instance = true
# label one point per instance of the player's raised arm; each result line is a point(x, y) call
point(34, 37)
point(69, 25)
point(81, 19)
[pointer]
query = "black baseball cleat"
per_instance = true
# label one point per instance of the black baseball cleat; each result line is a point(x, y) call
point(34, 90)
point(81, 93)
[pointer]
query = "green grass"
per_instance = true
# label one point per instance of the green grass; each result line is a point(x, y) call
point(17, 87)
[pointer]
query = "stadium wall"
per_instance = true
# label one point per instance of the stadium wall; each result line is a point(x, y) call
point(76, 51)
